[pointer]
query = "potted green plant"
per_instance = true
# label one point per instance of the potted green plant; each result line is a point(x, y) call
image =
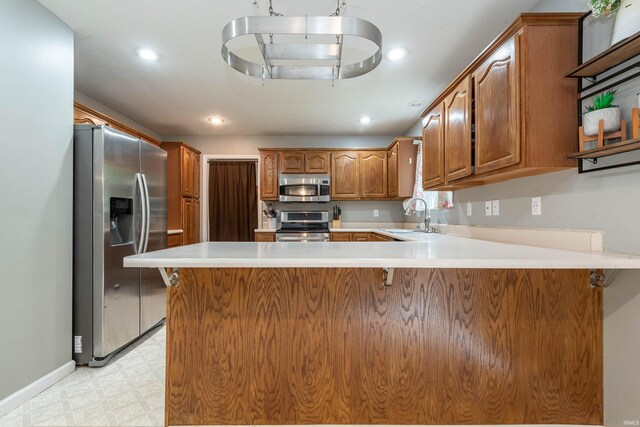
point(603, 7)
point(603, 108)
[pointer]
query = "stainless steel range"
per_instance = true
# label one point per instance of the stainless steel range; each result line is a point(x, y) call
point(304, 226)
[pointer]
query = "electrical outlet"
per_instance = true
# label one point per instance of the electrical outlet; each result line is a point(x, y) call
point(376, 213)
point(469, 209)
point(496, 207)
point(488, 208)
point(536, 206)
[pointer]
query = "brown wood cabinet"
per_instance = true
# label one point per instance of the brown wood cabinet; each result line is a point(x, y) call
point(345, 175)
point(457, 132)
point(497, 109)
point(433, 149)
point(499, 122)
point(356, 174)
point(316, 162)
point(183, 188)
point(401, 168)
point(174, 239)
point(373, 174)
point(342, 236)
point(339, 236)
point(291, 162)
point(269, 175)
point(265, 236)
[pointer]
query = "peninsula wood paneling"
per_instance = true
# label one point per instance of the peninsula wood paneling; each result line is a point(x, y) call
point(333, 346)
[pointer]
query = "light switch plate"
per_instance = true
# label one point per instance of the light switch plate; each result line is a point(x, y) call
point(376, 213)
point(496, 207)
point(536, 206)
point(469, 209)
point(488, 208)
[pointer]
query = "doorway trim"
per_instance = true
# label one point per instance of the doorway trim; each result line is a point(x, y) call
point(204, 184)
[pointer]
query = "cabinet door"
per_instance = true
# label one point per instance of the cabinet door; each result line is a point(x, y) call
point(497, 110)
point(457, 132)
point(187, 221)
point(373, 174)
point(345, 173)
point(265, 237)
point(187, 172)
point(291, 162)
point(195, 219)
point(269, 175)
point(316, 162)
point(392, 169)
point(340, 237)
point(433, 149)
point(196, 175)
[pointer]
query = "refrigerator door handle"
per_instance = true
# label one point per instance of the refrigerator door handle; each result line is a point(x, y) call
point(139, 247)
point(147, 209)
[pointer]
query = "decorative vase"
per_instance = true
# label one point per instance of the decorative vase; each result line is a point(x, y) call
point(591, 120)
point(627, 20)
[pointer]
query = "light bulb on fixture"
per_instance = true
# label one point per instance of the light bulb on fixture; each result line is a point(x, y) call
point(365, 120)
point(216, 121)
point(147, 54)
point(397, 54)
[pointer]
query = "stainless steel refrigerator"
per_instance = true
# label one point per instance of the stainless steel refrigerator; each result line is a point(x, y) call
point(120, 209)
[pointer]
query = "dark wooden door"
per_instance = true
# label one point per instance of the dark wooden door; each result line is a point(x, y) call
point(497, 110)
point(433, 149)
point(457, 132)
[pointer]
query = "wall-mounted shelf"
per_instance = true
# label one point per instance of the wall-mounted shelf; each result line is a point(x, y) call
point(607, 150)
point(610, 58)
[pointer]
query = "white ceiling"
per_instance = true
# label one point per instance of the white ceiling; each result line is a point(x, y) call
point(190, 81)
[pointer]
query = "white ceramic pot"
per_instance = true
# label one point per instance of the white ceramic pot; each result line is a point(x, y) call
point(611, 117)
point(627, 20)
point(272, 223)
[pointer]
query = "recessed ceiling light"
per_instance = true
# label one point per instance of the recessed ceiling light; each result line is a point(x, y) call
point(415, 104)
point(397, 54)
point(147, 54)
point(216, 121)
point(365, 120)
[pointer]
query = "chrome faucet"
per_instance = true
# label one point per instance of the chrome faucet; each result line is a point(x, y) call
point(427, 214)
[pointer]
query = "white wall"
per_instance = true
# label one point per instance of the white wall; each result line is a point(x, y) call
point(36, 114)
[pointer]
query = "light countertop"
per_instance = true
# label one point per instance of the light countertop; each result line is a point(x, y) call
point(419, 250)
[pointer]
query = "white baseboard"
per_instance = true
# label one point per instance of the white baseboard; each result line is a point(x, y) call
point(11, 402)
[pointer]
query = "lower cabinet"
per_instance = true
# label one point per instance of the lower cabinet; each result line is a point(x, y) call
point(190, 221)
point(339, 236)
point(265, 237)
point(174, 240)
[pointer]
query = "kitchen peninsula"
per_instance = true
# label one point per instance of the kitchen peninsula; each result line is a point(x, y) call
point(444, 330)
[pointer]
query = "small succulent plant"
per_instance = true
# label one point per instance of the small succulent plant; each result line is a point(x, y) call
point(603, 7)
point(602, 101)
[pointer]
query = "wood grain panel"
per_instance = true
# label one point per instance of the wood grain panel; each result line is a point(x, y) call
point(316, 162)
point(345, 175)
point(457, 132)
point(373, 174)
point(292, 162)
point(269, 175)
point(433, 149)
point(334, 346)
point(497, 109)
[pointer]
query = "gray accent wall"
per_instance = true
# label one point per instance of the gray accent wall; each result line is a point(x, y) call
point(36, 112)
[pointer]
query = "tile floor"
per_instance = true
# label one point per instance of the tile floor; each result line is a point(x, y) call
point(128, 391)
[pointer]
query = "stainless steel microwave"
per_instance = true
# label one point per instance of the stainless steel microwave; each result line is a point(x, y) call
point(305, 188)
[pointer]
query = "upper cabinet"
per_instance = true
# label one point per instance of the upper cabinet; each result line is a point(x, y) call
point(433, 149)
point(373, 174)
point(269, 175)
point(497, 109)
point(345, 175)
point(458, 132)
point(316, 162)
point(356, 174)
point(292, 162)
point(402, 159)
point(509, 114)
